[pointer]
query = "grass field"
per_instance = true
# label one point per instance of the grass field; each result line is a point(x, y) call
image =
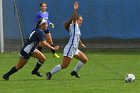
point(104, 73)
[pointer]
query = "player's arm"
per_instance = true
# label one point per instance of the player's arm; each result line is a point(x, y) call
point(74, 17)
point(81, 44)
point(49, 22)
point(44, 43)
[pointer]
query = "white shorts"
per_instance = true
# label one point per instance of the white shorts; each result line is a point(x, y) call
point(70, 51)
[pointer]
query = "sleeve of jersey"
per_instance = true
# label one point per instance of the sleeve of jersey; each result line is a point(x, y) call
point(41, 36)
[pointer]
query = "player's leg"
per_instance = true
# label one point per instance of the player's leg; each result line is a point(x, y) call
point(82, 60)
point(41, 58)
point(65, 63)
point(49, 40)
point(14, 69)
point(39, 47)
point(68, 55)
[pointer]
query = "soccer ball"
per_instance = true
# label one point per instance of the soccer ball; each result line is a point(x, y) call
point(129, 78)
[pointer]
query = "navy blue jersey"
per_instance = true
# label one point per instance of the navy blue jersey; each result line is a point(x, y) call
point(35, 37)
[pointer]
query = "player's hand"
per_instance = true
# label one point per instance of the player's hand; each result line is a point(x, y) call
point(76, 5)
point(82, 45)
point(52, 25)
point(56, 47)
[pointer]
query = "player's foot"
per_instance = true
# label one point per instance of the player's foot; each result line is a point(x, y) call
point(73, 73)
point(37, 73)
point(56, 55)
point(49, 75)
point(5, 77)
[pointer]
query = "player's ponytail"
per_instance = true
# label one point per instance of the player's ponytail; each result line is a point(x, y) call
point(67, 24)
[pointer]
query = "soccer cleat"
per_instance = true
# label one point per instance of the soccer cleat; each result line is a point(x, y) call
point(56, 55)
point(49, 75)
point(5, 77)
point(73, 73)
point(37, 73)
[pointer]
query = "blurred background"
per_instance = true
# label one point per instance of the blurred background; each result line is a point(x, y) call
point(107, 24)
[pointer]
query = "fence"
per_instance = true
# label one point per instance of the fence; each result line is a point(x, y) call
point(106, 22)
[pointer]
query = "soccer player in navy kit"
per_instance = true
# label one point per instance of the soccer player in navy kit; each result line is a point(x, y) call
point(29, 49)
point(43, 14)
point(71, 49)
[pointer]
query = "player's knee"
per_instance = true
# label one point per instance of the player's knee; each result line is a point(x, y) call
point(85, 60)
point(42, 60)
point(63, 66)
point(19, 67)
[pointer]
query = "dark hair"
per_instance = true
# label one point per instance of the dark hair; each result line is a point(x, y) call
point(43, 3)
point(67, 23)
point(38, 22)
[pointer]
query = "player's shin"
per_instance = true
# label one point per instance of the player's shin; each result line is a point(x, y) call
point(12, 71)
point(56, 69)
point(78, 66)
point(38, 65)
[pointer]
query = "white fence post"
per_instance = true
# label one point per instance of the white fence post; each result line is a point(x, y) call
point(1, 29)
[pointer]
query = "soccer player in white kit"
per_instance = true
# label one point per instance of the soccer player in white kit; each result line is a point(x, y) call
point(71, 49)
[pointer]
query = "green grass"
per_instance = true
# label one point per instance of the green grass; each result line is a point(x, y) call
point(104, 73)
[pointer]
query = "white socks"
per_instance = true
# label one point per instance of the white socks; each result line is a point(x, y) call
point(78, 66)
point(56, 69)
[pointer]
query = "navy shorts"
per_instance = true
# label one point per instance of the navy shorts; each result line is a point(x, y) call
point(47, 31)
point(25, 55)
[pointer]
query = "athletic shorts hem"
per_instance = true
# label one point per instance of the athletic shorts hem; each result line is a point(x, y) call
point(71, 53)
point(25, 55)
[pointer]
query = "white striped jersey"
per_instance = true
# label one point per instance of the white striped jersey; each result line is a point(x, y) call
point(74, 35)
